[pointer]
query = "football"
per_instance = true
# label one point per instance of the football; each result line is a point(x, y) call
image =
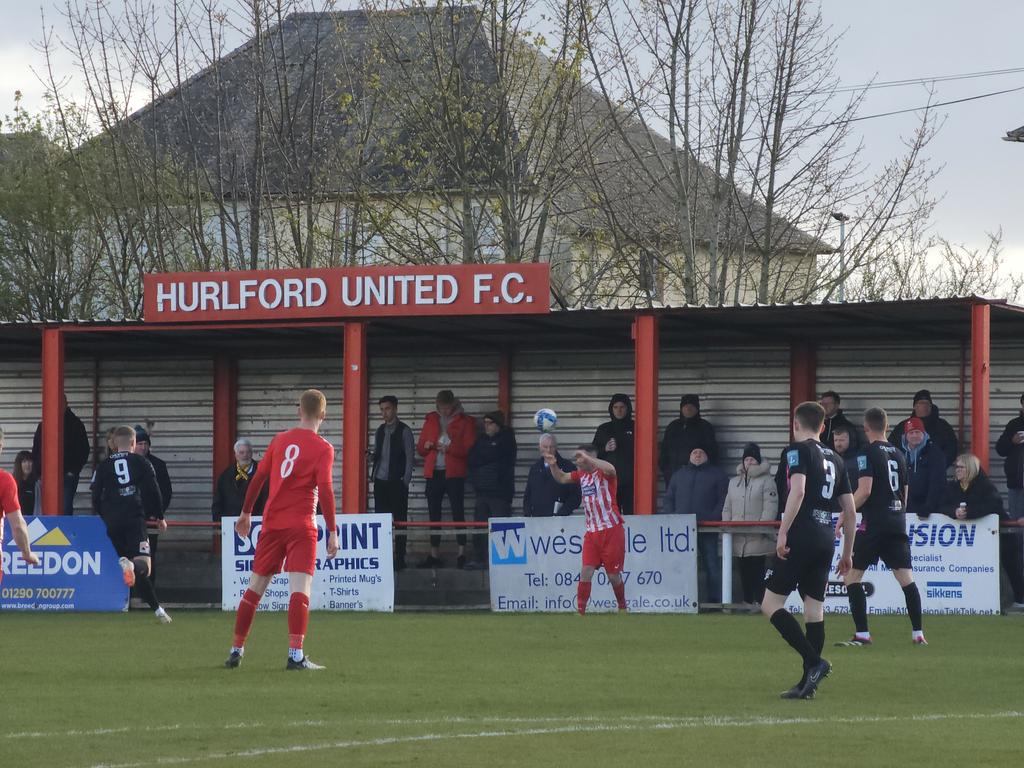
point(545, 420)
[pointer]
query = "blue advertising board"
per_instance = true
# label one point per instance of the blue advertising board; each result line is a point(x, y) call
point(77, 571)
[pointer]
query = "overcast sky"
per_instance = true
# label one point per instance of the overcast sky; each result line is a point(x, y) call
point(882, 40)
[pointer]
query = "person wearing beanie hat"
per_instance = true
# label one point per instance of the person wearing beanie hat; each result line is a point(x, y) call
point(143, 445)
point(689, 431)
point(614, 441)
point(926, 468)
point(492, 466)
point(939, 430)
point(751, 497)
point(1011, 447)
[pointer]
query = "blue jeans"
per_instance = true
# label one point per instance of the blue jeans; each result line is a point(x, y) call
point(70, 487)
point(709, 562)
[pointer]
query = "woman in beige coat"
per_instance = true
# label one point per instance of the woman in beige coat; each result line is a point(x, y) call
point(752, 497)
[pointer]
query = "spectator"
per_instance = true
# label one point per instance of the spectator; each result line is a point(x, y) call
point(28, 483)
point(447, 435)
point(938, 429)
point(843, 436)
point(972, 495)
point(699, 489)
point(926, 466)
point(391, 469)
point(492, 468)
point(543, 495)
point(614, 442)
point(1011, 447)
point(76, 453)
point(834, 417)
point(689, 431)
point(752, 497)
point(234, 482)
point(163, 481)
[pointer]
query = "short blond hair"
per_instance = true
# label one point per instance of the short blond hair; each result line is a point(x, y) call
point(972, 466)
point(313, 404)
point(123, 436)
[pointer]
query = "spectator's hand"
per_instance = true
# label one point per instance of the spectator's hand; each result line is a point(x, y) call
point(611, 445)
point(428, 445)
point(961, 513)
point(845, 565)
point(780, 546)
point(161, 525)
point(332, 544)
point(243, 525)
point(1018, 438)
point(30, 557)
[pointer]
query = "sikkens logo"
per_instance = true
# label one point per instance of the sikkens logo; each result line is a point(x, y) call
point(508, 543)
point(56, 555)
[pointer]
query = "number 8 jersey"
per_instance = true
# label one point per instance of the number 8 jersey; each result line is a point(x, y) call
point(883, 511)
point(826, 480)
point(298, 463)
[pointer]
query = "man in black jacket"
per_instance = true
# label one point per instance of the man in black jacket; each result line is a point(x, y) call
point(938, 429)
point(1011, 447)
point(543, 495)
point(163, 481)
point(234, 482)
point(689, 431)
point(76, 454)
point(391, 470)
point(614, 442)
point(492, 467)
point(834, 417)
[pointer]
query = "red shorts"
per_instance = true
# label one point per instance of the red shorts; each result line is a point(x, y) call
point(292, 550)
point(607, 548)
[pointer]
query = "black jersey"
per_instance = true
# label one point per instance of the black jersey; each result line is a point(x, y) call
point(125, 487)
point(886, 465)
point(826, 480)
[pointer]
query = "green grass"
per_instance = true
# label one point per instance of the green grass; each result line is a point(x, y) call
point(503, 690)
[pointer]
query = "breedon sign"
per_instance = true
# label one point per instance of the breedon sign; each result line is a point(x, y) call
point(477, 289)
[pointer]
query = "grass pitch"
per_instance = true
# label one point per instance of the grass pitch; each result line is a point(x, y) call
point(503, 690)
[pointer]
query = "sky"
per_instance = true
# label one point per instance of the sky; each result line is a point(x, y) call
point(881, 40)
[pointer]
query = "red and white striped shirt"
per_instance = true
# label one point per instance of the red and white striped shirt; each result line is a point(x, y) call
point(599, 493)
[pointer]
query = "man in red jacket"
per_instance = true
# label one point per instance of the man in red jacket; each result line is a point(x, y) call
point(447, 435)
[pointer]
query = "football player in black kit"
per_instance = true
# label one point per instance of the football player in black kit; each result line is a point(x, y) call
point(881, 497)
point(818, 489)
point(125, 492)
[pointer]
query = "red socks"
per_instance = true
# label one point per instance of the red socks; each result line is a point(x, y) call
point(243, 619)
point(620, 594)
point(582, 596)
point(298, 619)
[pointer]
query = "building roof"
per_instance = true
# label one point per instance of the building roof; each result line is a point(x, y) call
point(1017, 134)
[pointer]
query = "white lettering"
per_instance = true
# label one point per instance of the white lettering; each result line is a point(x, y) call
point(512, 298)
point(403, 281)
point(166, 293)
point(315, 282)
point(188, 306)
point(423, 289)
point(246, 290)
point(374, 289)
point(351, 301)
point(225, 296)
point(292, 292)
point(481, 284)
point(264, 302)
point(453, 289)
point(208, 290)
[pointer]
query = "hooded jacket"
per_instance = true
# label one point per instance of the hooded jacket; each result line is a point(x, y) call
point(938, 429)
point(622, 431)
point(492, 464)
point(752, 497)
point(76, 445)
point(462, 432)
point(681, 437)
point(927, 477)
point(982, 498)
point(857, 441)
point(1013, 455)
point(696, 490)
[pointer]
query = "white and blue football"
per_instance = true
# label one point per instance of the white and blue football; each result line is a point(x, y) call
point(545, 420)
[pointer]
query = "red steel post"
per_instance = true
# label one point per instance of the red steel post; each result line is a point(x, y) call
point(803, 375)
point(53, 422)
point(645, 459)
point(354, 420)
point(980, 379)
point(225, 412)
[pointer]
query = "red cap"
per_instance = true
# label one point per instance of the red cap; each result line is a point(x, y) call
point(913, 423)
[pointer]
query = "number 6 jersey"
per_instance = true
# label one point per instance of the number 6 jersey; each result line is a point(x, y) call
point(298, 465)
point(826, 480)
point(883, 511)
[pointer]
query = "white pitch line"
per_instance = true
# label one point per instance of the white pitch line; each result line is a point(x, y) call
point(667, 725)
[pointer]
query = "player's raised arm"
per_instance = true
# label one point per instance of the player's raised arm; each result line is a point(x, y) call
point(556, 471)
point(606, 468)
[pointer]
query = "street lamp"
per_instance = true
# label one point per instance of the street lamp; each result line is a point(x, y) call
point(842, 218)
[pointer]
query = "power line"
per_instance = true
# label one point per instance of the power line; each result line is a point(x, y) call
point(926, 80)
point(926, 106)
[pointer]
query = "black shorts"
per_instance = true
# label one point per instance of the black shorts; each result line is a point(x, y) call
point(892, 548)
point(804, 569)
point(129, 537)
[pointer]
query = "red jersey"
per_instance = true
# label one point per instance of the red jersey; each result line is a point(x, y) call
point(602, 511)
point(298, 464)
point(8, 499)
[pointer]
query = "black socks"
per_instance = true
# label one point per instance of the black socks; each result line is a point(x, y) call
point(789, 628)
point(913, 598)
point(859, 606)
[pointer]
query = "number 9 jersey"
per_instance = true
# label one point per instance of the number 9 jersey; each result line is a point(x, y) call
point(826, 480)
point(298, 465)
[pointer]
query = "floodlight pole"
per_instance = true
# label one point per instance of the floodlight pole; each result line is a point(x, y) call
point(842, 218)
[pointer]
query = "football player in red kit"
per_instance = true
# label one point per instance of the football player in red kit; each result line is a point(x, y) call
point(298, 464)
